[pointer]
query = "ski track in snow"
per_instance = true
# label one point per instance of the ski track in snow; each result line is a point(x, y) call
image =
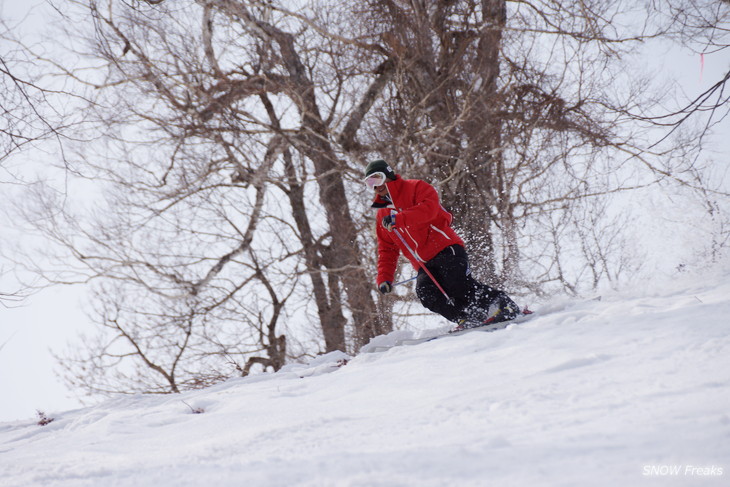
point(585, 393)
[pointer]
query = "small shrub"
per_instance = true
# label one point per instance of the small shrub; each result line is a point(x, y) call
point(194, 410)
point(43, 420)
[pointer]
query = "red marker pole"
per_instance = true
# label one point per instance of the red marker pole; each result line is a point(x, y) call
point(422, 266)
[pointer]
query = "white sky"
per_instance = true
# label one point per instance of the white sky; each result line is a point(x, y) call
point(50, 319)
point(29, 333)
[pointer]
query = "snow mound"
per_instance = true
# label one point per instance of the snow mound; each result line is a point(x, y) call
point(392, 339)
point(323, 364)
point(398, 337)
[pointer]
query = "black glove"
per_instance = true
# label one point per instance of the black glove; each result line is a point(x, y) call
point(385, 287)
point(389, 222)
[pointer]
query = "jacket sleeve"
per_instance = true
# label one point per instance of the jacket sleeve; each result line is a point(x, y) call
point(424, 211)
point(388, 253)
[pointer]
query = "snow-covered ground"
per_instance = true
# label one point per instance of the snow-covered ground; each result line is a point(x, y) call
point(626, 391)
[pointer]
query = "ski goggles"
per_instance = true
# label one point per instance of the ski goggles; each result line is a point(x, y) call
point(375, 179)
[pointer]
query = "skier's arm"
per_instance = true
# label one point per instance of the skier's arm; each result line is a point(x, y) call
point(388, 254)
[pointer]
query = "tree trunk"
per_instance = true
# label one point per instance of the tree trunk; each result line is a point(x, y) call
point(329, 307)
point(344, 252)
point(481, 183)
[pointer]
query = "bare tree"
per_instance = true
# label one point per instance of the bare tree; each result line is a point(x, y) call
point(36, 107)
point(23, 119)
point(229, 138)
point(211, 149)
point(36, 115)
point(518, 110)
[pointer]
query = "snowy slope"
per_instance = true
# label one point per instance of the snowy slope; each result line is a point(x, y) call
point(625, 391)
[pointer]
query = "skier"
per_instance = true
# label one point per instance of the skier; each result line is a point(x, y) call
point(411, 220)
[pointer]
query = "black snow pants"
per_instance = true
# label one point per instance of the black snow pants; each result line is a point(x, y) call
point(471, 299)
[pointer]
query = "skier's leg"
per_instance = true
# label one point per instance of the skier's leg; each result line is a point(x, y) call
point(486, 301)
point(449, 268)
point(433, 299)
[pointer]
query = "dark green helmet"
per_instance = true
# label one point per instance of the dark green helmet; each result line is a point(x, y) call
point(380, 165)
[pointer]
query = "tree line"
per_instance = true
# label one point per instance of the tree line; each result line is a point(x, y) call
point(228, 138)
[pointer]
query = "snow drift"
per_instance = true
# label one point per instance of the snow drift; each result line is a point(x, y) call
point(622, 391)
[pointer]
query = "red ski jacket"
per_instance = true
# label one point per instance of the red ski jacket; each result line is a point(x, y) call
point(419, 218)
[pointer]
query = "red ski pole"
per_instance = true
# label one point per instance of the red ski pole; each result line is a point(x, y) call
point(422, 266)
